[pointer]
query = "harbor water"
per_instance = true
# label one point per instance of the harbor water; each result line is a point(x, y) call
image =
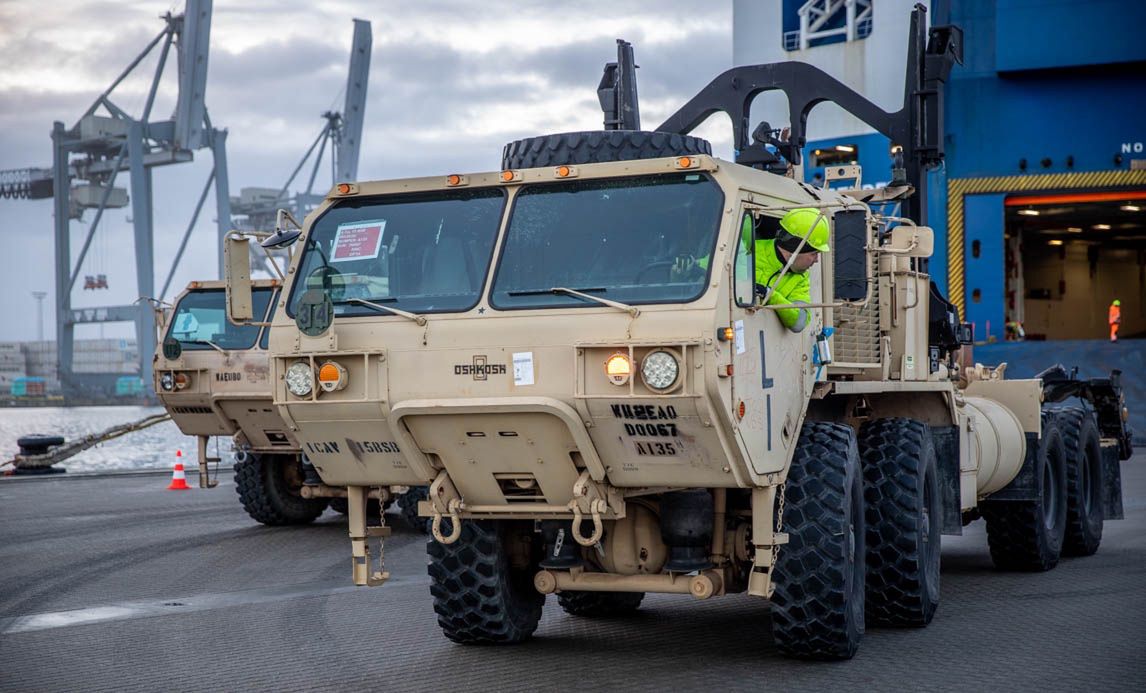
point(151, 448)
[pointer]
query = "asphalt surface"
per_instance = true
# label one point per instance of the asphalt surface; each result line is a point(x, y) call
point(113, 583)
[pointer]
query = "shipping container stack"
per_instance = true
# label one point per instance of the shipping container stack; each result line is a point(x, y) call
point(13, 366)
point(89, 356)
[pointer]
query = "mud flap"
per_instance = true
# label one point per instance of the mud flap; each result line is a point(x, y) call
point(1111, 480)
point(946, 439)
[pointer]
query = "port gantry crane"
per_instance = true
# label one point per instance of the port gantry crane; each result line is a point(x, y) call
point(87, 158)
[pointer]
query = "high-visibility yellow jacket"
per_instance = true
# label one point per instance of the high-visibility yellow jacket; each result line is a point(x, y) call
point(792, 288)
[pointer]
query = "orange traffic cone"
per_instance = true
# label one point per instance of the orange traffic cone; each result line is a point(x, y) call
point(178, 477)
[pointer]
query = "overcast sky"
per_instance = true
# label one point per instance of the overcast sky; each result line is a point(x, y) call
point(450, 82)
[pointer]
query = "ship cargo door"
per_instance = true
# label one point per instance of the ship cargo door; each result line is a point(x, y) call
point(983, 260)
point(1069, 255)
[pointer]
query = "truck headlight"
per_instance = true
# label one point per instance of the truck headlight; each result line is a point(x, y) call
point(660, 370)
point(300, 379)
point(618, 368)
point(167, 381)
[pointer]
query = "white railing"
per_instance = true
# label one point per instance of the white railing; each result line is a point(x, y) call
point(815, 14)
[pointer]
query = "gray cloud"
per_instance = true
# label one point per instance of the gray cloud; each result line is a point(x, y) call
point(449, 86)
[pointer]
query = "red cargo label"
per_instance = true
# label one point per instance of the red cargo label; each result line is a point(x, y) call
point(358, 240)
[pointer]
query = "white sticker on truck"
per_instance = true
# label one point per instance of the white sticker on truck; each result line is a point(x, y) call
point(523, 368)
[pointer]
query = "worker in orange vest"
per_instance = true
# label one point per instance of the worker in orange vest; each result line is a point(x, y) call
point(1115, 319)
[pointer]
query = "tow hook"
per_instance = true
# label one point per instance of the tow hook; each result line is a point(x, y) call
point(455, 524)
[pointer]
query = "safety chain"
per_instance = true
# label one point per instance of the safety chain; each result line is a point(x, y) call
point(779, 524)
point(382, 537)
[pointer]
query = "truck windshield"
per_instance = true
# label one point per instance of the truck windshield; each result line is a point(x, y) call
point(631, 240)
point(424, 253)
point(200, 320)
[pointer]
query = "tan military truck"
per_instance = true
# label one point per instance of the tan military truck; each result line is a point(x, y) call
point(576, 354)
point(212, 377)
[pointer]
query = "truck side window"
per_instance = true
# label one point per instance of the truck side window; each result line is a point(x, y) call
point(744, 282)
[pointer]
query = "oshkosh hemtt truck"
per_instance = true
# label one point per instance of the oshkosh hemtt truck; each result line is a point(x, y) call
point(573, 352)
point(213, 378)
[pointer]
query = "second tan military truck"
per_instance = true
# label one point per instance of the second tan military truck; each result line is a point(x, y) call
point(213, 378)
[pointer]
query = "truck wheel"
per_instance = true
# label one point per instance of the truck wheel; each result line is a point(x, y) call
point(408, 507)
point(1084, 513)
point(818, 602)
point(268, 486)
point(597, 604)
point(479, 596)
point(598, 146)
point(1028, 534)
point(901, 496)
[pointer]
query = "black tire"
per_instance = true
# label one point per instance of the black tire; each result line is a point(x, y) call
point(903, 514)
point(38, 443)
point(1084, 510)
point(268, 486)
point(408, 508)
point(818, 601)
point(480, 598)
point(1028, 535)
point(598, 146)
point(600, 604)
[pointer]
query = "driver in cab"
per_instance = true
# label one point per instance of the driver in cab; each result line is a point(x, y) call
point(773, 254)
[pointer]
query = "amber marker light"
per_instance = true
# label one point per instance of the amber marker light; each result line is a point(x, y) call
point(725, 334)
point(181, 381)
point(509, 176)
point(741, 409)
point(453, 179)
point(564, 171)
point(618, 369)
point(687, 162)
point(344, 188)
point(331, 377)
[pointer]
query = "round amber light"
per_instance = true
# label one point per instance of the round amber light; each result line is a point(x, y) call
point(328, 373)
point(684, 162)
point(181, 381)
point(563, 171)
point(507, 176)
point(453, 179)
point(618, 369)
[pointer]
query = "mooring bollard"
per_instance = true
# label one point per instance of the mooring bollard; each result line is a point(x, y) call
point(32, 446)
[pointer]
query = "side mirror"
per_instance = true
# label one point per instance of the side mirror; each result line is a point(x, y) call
point(911, 241)
point(284, 236)
point(850, 256)
point(237, 254)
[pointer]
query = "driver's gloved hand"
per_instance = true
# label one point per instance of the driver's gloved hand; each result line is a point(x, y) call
point(684, 267)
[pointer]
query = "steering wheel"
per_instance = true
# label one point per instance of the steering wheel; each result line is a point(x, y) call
point(651, 267)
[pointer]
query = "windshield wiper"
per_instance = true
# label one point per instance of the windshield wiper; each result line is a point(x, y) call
point(208, 342)
point(420, 319)
point(582, 294)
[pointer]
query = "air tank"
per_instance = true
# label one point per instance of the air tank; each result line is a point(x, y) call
point(998, 444)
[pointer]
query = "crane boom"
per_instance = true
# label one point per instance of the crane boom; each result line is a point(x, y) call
point(354, 113)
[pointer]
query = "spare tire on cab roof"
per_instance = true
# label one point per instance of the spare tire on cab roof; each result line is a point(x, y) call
point(598, 146)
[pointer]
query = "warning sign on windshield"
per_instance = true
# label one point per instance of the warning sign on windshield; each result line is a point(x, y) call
point(359, 240)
